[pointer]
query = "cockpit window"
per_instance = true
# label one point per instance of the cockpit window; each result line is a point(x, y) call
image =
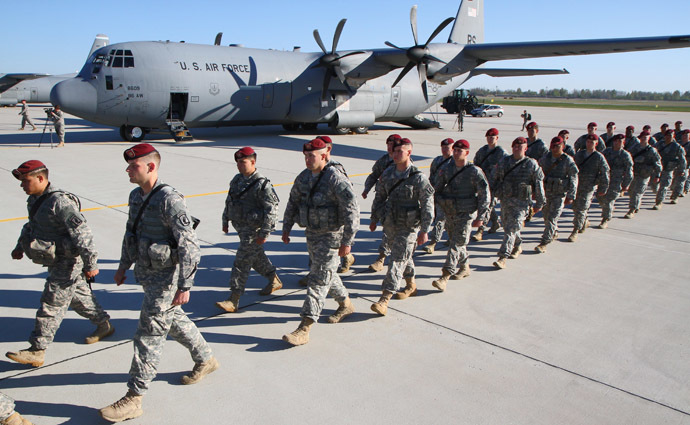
point(120, 59)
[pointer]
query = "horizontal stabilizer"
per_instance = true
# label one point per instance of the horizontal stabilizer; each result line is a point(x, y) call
point(515, 72)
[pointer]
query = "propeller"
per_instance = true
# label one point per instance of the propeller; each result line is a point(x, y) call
point(419, 55)
point(331, 61)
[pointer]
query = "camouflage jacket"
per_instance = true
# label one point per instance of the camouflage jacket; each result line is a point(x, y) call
point(620, 168)
point(672, 156)
point(251, 204)
point(631, 143)
point(593, 171)
point(462, 190)
point(436, 165)
point(560, 175)
point(536, 149)
point(408, 204)
point(487, 159)
point(519, 180)
point(379, 167)
point(581, 144)
point(646, 161)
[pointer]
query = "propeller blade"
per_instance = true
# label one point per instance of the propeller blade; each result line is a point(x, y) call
point(435, 59)
point(359, 52)
point(405, 70)
point(389, 44)
point(421, 70)
point(336, 36)
point(440, 28)
point(413, 23)
point(339, 74)
point(317, 37)
point(326, 83)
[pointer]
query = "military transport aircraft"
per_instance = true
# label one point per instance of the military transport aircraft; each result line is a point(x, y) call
point(35, 88)
point(144, 86)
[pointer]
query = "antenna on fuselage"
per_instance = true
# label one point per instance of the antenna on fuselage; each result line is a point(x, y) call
point(219, 37)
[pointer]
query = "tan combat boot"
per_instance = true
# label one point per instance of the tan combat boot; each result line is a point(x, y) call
point(273, 285)
point(34, 358)
point(15, 419)
point(347, 262)
point(462, 273)
point(430, 247)
point(232, 304)
point(500, 263)
point(381, 306)
point(586, 225)
point(674, 200)
point(128, 407)
point(300, 336)
point(103, 330)
point(541, 248)
point(304, 281)
point(377, 265)
point(604, 224)
point(61, 144)
point(478, 235)
point(199, 371)
point(346, 308)
point(410, 289)
point(516, 252)
point(630, 214)
point(573, 236)
point(657, 206)
point(442, 281)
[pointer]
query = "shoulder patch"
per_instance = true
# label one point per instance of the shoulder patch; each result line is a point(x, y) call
point(183, 219)
point(74, 220)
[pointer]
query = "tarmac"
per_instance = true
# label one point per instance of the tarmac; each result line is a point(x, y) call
point(592, 332)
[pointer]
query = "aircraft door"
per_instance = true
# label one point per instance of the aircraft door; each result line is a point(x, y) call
point(276, 100)
point(394, 102)
point(178, 106)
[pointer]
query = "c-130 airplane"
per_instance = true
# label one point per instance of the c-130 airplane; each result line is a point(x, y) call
point(145, 86)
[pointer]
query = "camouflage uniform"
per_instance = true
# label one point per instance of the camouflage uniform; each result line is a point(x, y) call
point(606, 138)
point(460, 198)
point(252, 207)
point(536, 149)
point(686, 147)
point(560, 182)
point(593, 174)
point(439, 223)
point(515, 187)
point(567, 149)
point(6, 406)
point(379, 167)
point(621, 175)
point(581, 144)
point(487, 159)
point(165, 253)
point(326, 206)
point(646, 165)
point(404, 212)
point(673, 168)
point(26, 119)
point(59, 220)
point(631, 143)
point(59, 123)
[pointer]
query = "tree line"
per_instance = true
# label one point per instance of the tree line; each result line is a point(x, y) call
point(585, 94)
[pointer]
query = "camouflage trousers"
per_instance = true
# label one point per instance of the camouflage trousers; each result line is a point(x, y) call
point(65, 287)
point(322, 279)
point(402, 242)
point(459, 229)
point(513, 215)
point(686, 186)
point(26, 120)
point(157, 319)
point(493, 215)
point(553, 208)
point(636, 190)
point(439, 225)
point(664, 184)
point(60, 132)
point(384, 248)
point(607, 203)
point(678, 183)
point(6, 406)
point(249, 255)
point(583, 200)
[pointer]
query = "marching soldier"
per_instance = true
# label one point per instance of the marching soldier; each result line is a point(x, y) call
point(646, 166)
point(631, 140)
point(568, 150)
point(404, 203)
point(606, 137)
point(560, 184)
point(621, 174)
point(685, 144)
point(678, 130)
point(593, 175)
point(461, 191)
point(323, 202)
point(486, 158)
point(161, 243)
point(26, 119)
point(581, 142)
point(673, 166)
point(252, 207)
point(57, 236)
point(536, 148)
point(517, 179)
point(439, 218)
point(659, 136)
point(7, 414)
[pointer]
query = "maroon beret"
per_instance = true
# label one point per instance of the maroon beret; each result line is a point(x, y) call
point(326, 139)
point(592, 124)
point(562, 132)
point(401, 142)
point(664, 125)
point(645, 133)
point(314, 145)
point(679, 122)
point(647, 127)
point(244, 152)
point(491, 132)
point(532, 125)
point(393, 138)
point(556, 141)
point(592, 137)
point(669, 131)
point(137, 151)
point(446, 142)
point(27, 167)
point(618, 136)
point(686, 131)
point(462, 144)
point(630, 127)
point(610, 124)
point(519, 141)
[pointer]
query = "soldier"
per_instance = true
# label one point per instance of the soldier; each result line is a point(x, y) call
point(621, 174)
point(58, 237)
point(59, 122)
point(380, 165)
point(404, 203)
point(593, 175)
point(581, 142)
point(26, 119)
point(685, 144)
point(439, 218)
point(7, 414)
point(487, 157)
point(161, 243)
point(322, 200)
point(648, 128)
point(252, 207)
point(659, 136)
point(525, 118)
point(461, 191)
point(536, 149)
point(646, 166)
point(673, 166)
point(678, 129)
point(567, 149)
point(518, 178)
point(630, 140)
point(606, 137)
point(560, 184)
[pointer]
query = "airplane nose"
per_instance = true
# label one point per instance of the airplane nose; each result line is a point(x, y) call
point(75, 96)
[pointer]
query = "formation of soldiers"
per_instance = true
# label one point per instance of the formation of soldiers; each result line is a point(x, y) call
point(160, 241)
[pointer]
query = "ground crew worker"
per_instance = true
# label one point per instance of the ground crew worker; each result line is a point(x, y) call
point(560, 185)
point(404, 203)
point(685, 144)
point(518, 178)
point(621, 174)
point(252, 207)
point(162, 244)
point(462, 191)
point(567, 149)
point(58, 118)
point(323, 202)
point(631, 140)
point(673, 166)
point(7, 414)
point(606, 137)
point(379, 167)
point(593, 175)
point(486, 158)
point(58, 237)
point(439, 222)
point(646, 166)
point(461, 120)
point(26, 119)
point(581, 142)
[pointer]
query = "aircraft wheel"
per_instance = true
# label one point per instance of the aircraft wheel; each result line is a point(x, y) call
point(360, 130)
point(500, 114)
point(342, 130)
point(133, 133)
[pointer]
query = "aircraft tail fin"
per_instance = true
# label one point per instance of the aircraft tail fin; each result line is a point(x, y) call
point(100, 41)
point(469, 24)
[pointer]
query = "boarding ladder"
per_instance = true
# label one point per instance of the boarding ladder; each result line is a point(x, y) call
point(178, 130)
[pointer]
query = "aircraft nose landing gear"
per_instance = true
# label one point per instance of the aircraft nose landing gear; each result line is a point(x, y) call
point(131, 133)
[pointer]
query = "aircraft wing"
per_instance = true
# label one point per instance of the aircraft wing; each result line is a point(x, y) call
point(8, 80)
point(515, 72)
point(540, 49)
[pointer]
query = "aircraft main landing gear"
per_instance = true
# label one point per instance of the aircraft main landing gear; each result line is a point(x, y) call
point(131, 133)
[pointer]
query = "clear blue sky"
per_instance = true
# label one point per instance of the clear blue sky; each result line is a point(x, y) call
point(55, 37)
